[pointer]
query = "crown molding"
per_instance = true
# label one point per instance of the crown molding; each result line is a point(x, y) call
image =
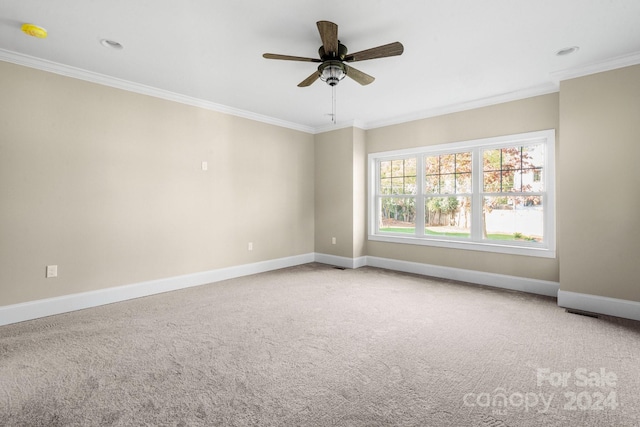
point(338, 126)
point(332, 127)
point(551, 87)
point(596, 67)
point(543, 89)
point(101, 79)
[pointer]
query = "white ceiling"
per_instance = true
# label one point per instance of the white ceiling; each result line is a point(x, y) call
point(458, 53)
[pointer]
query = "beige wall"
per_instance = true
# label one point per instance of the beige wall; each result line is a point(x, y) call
point(359, 192)
point(599, 184)
point(340, 192)
point(532, 114)
point(334, 174)
point(108, 185)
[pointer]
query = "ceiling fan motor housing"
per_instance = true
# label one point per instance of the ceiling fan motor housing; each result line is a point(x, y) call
point(340, 54)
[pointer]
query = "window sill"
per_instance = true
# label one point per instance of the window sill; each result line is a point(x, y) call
point(540, 252)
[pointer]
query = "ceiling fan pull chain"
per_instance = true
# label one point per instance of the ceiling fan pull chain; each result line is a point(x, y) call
point(333, 107)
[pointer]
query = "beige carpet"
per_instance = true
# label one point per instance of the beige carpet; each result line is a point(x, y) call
point(317, 346)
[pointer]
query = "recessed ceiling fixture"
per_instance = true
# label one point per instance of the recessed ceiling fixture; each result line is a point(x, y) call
point(111, 44)
point(567, 51)
point(34, 31)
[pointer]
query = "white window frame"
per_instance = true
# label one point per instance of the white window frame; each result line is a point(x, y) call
point(546, 249)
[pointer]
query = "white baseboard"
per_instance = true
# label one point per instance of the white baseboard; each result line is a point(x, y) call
point(50, 306)
point(533, 286)
point(601, 305)
point(340, 261)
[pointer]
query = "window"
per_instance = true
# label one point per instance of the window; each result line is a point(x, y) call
point(493, 194)
point(398, 190)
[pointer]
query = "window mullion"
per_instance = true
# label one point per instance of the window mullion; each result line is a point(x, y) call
point(476, 198)
point(375, 208)
point(420, 183)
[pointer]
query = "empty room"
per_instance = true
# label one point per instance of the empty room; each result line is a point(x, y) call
point(363, 213)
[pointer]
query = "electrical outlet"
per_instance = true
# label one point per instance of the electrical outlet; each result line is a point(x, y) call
point(205, 166)
point(52, 271)
point(250, 246)
point(333, 240)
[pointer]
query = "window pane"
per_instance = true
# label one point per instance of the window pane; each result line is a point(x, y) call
point(448, 163)
point(448, 216)
point(398, 176)
point(491, 160)
point(492, 182)
point(532, 180)
point(520, 169)
point(511, 157)
point(533, 156)
point(397, 185)
point(433, 184)
point(397, 215)
point(463, 162)
point(447, 184)
point(448, 173)
point(513, 218)
point(410, 185)
point(463, 183)
point(385, 169)
point(385, 186)
point(432, 165)
point(410, 167)
point(397, 168)
point(509, 181)
point(505, 181)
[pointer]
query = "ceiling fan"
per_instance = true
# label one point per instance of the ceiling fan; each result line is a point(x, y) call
point(334, 56)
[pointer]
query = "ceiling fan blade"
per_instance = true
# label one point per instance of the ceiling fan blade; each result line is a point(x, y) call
point(329, 36)
point(289, 58)
point(359, 76)
point(309, 80)
point(391, 49)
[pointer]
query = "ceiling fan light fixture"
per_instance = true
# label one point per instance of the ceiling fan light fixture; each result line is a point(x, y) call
point(331, 72)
